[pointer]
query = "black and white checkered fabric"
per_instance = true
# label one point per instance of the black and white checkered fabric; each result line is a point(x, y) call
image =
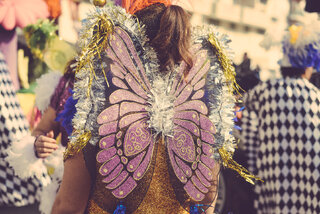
point(13, 125)
point(281, 135)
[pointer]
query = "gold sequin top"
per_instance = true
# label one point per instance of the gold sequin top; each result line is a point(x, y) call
point(160, 197)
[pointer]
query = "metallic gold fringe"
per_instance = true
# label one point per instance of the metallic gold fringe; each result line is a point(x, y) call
point(77, 146)
point(227, 161)
point(225, 63)
point(99, 34)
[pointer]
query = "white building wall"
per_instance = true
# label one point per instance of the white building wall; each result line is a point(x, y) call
point(246, 26)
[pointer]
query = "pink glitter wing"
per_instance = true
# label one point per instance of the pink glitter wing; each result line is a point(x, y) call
point(190, 149)
point(127, 145)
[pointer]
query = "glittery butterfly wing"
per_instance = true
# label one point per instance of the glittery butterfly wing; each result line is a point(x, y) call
point(190, 148)
point(126, 146)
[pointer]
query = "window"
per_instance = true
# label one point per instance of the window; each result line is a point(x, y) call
point(247, 3)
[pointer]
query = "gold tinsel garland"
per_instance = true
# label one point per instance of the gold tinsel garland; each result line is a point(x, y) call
point(228, 162)
point(230, 74)
point(78, 145)
point(226, 64)
point(94, 39)
point(99, 34)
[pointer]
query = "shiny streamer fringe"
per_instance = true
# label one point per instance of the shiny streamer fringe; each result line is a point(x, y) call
point(222, 84)
point(76, 147)
point(227, 161)
point(225, 63)
point(221, 98)
point(99, 33)
point(225, 151)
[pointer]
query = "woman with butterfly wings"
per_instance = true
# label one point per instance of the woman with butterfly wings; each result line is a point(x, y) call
point(154, 114)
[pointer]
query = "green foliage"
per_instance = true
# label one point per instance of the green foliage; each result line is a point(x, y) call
point(39, 35)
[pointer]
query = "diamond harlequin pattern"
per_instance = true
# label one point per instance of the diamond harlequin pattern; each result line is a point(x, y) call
point(281, 135)
point(13, 125)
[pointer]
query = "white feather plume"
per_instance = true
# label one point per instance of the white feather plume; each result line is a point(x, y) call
point(46, 85)
point(22, 159)
point(47, 196)
point(55, 161)
point(48, 193)
point(161, 109)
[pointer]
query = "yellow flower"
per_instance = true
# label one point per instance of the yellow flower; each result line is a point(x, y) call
point(294, 33)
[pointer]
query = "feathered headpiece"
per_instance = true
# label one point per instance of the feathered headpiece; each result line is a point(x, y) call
point(301, 46)
point(133, 6)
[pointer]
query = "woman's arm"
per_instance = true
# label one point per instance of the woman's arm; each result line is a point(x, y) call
point(45, 144)
point(214, 188)
point(74, 191)
point(47, 123)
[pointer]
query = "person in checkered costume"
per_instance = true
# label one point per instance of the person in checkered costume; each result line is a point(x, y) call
point(281, 129)
point(14, 191)
point(39, 154)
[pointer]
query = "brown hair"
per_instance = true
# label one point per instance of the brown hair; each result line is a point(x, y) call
point(69, 70)
point(173, 34)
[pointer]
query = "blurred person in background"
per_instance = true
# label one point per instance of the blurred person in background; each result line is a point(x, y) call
point(17, 195)
point(245, 65)
point(42, 152)
point(281, 129)
point(246, 77)
point(51, 121)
